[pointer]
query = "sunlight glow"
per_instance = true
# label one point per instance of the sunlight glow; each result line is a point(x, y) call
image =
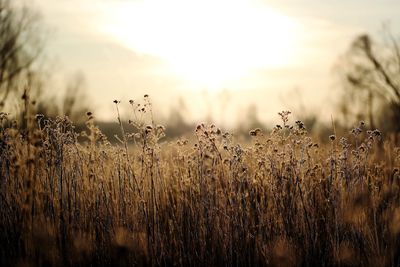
point(208, 43)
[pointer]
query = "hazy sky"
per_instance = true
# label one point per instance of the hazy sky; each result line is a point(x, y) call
point(275, 54)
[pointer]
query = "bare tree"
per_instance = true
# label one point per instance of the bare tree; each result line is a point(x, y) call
point(22, 67)
point(20, 45)
point(371, 76)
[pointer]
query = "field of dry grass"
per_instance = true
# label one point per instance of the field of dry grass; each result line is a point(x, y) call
point(74, 199)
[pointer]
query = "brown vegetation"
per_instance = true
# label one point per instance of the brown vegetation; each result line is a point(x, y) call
point(282, 200)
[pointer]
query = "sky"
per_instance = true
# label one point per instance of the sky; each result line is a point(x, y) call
point(209, 58)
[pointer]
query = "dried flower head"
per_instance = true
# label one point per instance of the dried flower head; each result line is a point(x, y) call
point(377, 133)
point(39, 116)
point(356, 131)
point(300, 124)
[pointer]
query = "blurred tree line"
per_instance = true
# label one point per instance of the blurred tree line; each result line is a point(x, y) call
point(23, 66)
point(369, 73)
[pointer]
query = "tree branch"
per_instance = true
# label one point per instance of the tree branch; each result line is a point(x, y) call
point(378, 66)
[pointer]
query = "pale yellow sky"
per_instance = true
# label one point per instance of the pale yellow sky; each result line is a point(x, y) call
point(256, 51)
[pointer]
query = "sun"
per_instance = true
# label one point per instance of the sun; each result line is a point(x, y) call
point(208, 43)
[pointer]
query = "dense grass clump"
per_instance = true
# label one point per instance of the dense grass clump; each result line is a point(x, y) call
point(70, 199)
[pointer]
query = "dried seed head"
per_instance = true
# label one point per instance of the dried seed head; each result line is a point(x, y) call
point(300, 124)
point(377, 133)
point(356, 131)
